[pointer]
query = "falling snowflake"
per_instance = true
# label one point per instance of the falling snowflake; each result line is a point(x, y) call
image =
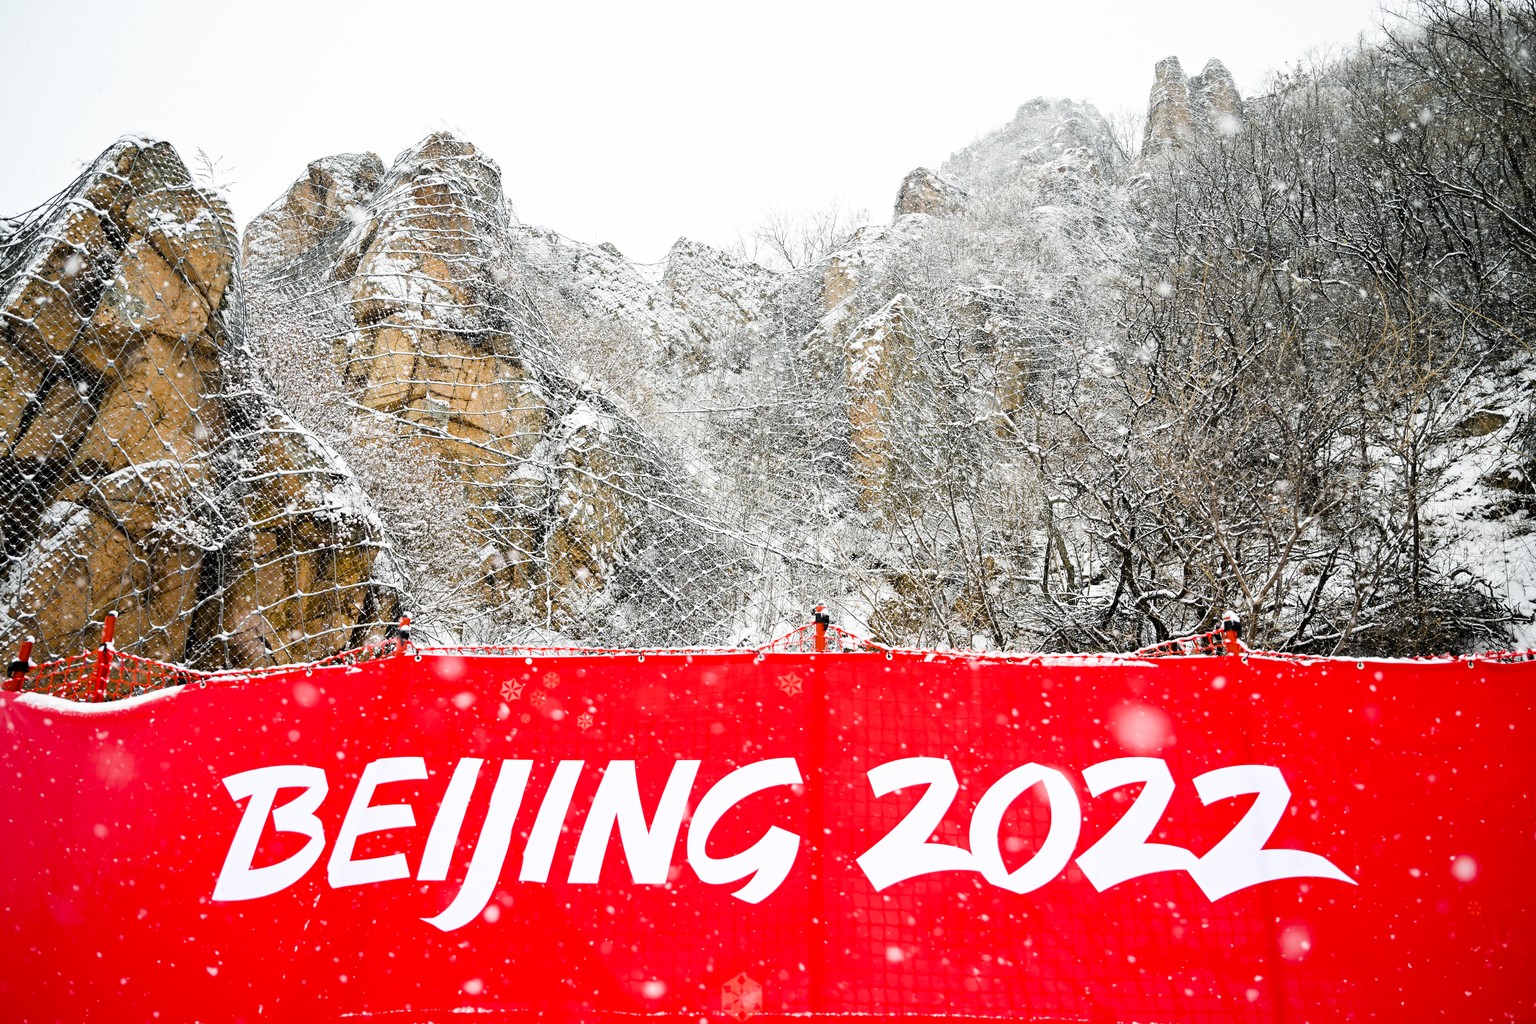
point(511, 690)
point(741, 997)
point(584, 721)
point(791, 684)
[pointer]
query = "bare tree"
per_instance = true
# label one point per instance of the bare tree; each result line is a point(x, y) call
point(791, 239)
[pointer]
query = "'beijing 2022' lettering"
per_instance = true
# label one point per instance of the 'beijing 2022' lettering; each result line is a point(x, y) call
point(1237, 861)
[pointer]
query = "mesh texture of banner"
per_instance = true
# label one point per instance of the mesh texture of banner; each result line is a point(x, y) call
point(724, 835)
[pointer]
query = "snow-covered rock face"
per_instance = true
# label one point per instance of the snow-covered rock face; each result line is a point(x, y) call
point(716, 292)
point(929, 192)
point(1218, 105)
point(544, 410)
point(875, 354)
point(140, 476)
point(596, 282)
point(333, 195)
point(680, 310)
point(405, 390)
point(409, 300)
point(1044, 133)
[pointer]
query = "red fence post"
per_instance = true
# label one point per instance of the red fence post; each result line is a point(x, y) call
point(20, 667)
point(402, 636)
point(818, 781)
point(103, 659)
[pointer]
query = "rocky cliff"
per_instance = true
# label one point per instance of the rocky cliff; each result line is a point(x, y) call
point(397, 309)
point(143, 476)
point(514, 433)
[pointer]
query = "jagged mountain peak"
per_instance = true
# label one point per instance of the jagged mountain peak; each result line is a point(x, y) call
point(330, 195)
point(456, 160)
point(147, 473)
point(1041, 132)
point(1182, 109)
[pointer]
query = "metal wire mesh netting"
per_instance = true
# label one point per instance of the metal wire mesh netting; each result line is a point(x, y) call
point(145, 473)
point(151, 470)
point(521, 504)
point(389, 395)
point(390, 399)
point(935, 428)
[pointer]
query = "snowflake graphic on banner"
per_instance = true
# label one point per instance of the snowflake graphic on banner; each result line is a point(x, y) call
point(511, 690)
point(741, 997)
point(584, 721)
point(791, 684)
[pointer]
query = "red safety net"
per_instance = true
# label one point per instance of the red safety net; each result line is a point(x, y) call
point(562, 834)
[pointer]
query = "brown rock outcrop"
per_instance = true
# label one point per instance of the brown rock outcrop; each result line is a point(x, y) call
point(1170, 122)
point(108, 334)
point(1181, 110)
point(119, 461)
point(306, 574)
point(925, 191)
point(333, 194)
point(1218, 105)
point(424, 347)
point(873, 355)
point(844, 271)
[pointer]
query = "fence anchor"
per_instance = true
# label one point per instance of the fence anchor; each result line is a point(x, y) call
point(823, 620)
point(17, 673)
point(1231, 630)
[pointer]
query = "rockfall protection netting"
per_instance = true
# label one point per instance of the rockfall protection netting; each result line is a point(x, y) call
point(562, 446)
point(152, 470)
point(519, 503)
point(147, 473)
point(391, 396)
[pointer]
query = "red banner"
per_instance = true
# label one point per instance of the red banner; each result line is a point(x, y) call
point(733, 836)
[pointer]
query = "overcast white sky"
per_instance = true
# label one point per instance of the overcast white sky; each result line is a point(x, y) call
point(631, 123)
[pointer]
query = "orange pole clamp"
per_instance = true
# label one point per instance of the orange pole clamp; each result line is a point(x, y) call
point(104, 659)
point(822, 620)
point(402, 636)
point(20, 667)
